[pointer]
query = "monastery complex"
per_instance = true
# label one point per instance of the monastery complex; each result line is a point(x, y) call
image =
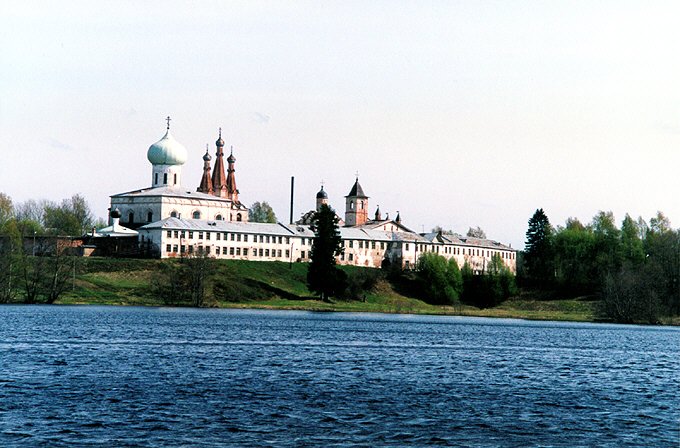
point(170, 220)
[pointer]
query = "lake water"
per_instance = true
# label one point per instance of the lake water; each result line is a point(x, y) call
point(117, 376)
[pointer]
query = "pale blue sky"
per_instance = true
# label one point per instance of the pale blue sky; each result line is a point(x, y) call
point(454, 113)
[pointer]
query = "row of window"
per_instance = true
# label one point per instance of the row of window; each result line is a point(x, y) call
point(430, 247)
point(233, 251)
point(165, 179)
point(197, 215)
point(350, 257)
point(364, 244)
point(174, 214)
point(227, 236)
point(131, 217)
point(462, 251)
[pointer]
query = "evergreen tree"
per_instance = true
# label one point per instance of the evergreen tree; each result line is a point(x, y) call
point(323, 276)
point(537, 249)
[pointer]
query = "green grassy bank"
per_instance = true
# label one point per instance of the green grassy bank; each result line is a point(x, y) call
point(275, 285)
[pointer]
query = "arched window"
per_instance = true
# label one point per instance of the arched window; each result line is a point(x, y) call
point(175, 177)
point(362, 204)
point(131, 217)
point(196, 215)
point(173, 214)
point(238, 217)
point(165, 178)
point(218, 218)
point(351, 205)
point(155, 178)
point(149, 216)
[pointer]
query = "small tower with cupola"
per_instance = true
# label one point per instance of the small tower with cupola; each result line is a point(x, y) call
point(321, 198)
point(356, 206)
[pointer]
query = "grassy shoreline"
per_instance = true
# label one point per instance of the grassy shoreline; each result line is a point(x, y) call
point(282, 286)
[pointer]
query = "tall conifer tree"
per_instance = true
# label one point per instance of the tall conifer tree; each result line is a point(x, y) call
point(323, 276)
point(537, 249)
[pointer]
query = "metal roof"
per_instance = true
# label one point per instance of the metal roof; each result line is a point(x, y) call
point(176, 192)
point(357, 191)
point(200, 225)
point(451, 238)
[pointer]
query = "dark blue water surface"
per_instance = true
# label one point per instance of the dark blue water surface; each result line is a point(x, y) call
point(116, 376)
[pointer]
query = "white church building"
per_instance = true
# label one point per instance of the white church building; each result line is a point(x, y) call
point(215, 199)
point(173, 221)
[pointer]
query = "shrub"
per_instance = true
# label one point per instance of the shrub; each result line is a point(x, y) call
point(440, 280)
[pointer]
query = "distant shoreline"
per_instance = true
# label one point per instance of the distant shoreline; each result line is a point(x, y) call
point(501, 312)
point(282, 286)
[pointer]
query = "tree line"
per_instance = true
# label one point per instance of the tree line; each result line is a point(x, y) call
point(38, 270)
point(634, 268)
point(69, 217)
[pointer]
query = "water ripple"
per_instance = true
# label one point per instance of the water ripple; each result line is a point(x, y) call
point(167, 377)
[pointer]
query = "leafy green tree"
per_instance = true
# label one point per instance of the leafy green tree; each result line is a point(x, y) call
point(538, 256)
point(632, 246)
point(6, 209)
point(573, 249)
point(31, 211)
point(501, 278)
point(489, 288)
point(662, 249)
point(10, 257)
point(261, 212)
point(187, 281)
point(660, 223)
point(632, 295)
point(45, 276)
point(441, 280)
point(608, 251)
point(72, 217)
point(323, 276)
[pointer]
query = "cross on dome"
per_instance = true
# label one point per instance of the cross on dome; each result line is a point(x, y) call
point(168, 120)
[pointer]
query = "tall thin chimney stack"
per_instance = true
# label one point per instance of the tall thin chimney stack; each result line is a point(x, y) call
point(292, 192)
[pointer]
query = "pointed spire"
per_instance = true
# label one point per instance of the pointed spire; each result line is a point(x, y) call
point(219, 179)
point(378, 216)
point(232, 191)
point(398, 218)
point(206, 184)
point(356, 190)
